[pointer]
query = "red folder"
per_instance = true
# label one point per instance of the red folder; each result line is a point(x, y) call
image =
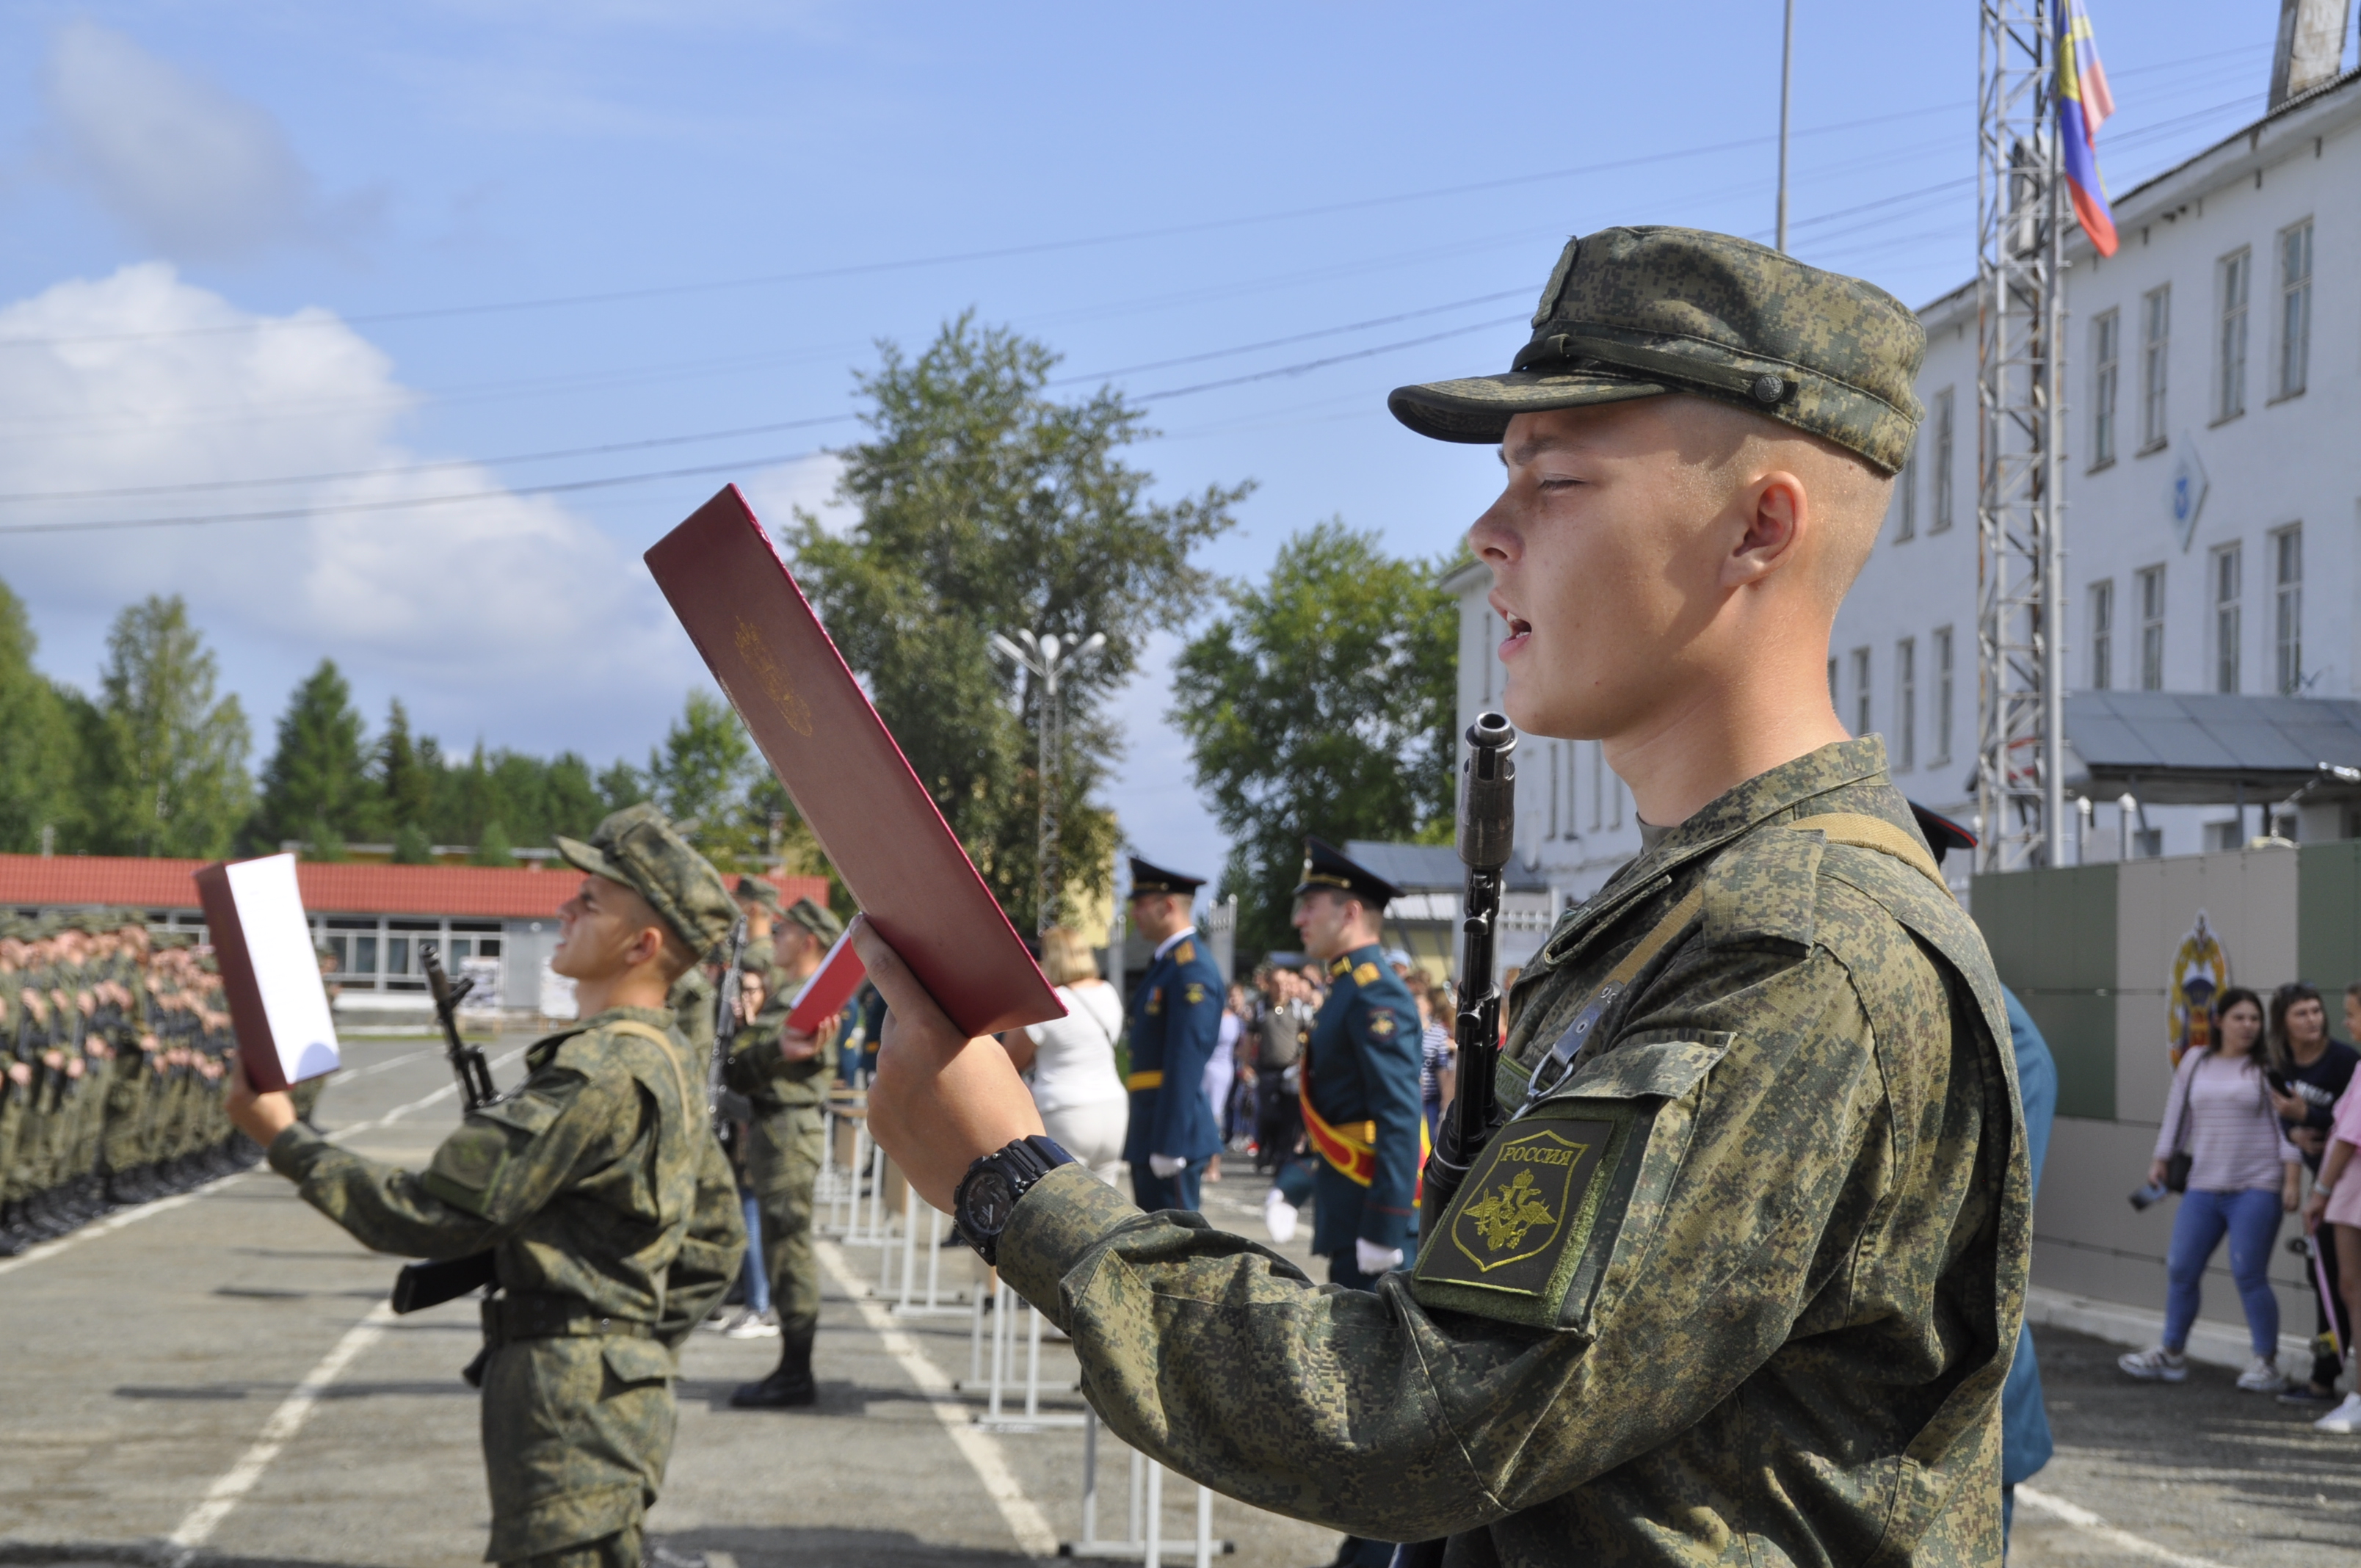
point(906, 869)
point(277, 1005)
point(830, 985)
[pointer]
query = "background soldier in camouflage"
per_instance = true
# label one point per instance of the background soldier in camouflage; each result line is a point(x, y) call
point(783, 1075)
point(599, 1187)
point(1739, 1278)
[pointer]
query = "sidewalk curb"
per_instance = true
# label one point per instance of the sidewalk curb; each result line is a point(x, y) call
point(2215, 1344)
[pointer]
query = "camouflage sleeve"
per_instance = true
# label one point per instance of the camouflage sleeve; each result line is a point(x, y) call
point(711, 1249)
point(1685, 1267)
point(754, 1059)
point(503, 1163)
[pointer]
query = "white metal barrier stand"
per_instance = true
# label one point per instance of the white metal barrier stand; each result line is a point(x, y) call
point(1004, 1353)
point(934, 1305)
point(1143, 1540)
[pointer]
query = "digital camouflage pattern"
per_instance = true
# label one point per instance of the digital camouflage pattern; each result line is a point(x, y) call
point(1770, 1325)
point(1636, 313)
point(612, 1213)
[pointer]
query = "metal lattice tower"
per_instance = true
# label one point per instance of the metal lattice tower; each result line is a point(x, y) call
point(2020, 318)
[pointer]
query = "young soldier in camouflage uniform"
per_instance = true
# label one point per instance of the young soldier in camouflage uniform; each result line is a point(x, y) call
point(784, 1075)
point(599, 1187)
point(1738, 1279)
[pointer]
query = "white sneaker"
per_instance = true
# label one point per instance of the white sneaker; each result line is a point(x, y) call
point(2155, 1365)
point(2345, 1417)
point(763, 1325)
point(2262, 1377)
point(1279, 1216)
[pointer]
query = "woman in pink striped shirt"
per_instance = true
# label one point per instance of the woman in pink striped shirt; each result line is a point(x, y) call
point(2242, 1175)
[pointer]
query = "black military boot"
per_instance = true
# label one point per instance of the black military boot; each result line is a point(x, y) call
point(789, 1384)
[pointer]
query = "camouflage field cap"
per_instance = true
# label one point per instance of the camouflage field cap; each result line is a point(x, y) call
point(1637, 313)
point(755, 891)
point(822, 922)
point(639, 849)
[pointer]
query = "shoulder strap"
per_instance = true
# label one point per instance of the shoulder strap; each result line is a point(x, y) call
point(1875, 833)
point(671, 1057)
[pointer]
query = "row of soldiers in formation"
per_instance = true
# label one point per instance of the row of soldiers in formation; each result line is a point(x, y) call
point(117, 1043)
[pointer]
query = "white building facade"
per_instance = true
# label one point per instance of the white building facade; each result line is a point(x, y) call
point(2213, 502)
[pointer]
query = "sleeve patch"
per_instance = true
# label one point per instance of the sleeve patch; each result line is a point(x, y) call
point(1194, 994)
point(1382, 1024)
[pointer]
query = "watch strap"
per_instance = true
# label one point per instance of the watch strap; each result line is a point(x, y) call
point(1023, 1163)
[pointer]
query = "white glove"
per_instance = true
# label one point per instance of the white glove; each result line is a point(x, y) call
point(1166, 1165)
point(1371, 1258)
point(1279, 1216)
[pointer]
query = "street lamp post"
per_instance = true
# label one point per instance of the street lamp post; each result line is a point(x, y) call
point(1043, 657)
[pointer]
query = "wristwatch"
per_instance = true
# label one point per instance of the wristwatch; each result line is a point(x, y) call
point(987, 1194)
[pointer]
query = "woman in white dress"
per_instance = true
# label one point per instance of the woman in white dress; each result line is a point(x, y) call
point(1070, 1062)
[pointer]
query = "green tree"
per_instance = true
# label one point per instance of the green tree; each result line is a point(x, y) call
point(40, 744)
point(411, 847)
point(620, 784)
point(406, 772)
point(492, 847)
point(1321, 703)
point(165, 768)
point(317, 779)
point(986, 505)
point(699, 777)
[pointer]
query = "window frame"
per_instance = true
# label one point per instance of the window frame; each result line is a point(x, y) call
point(2291, 351)
point(2225, 573)
point(1862, 692)
point(1945, 447)
point(1906, 704)
point(2156, 368)
point(1946, 645)
point(2286, 609)
point(2233, 289)
point(2151, 585)
point(2101, 675)
point(2106, 385)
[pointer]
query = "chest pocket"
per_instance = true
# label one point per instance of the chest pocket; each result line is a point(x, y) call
point(1556, 1219)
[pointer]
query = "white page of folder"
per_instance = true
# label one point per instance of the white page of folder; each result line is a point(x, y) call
point(286, 967)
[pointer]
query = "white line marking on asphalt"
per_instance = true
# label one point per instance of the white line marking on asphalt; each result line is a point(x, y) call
point(138, 1211)
point(350, 1073)
point(1024, 1521)
point(2083, 1519)
point(284, 1423)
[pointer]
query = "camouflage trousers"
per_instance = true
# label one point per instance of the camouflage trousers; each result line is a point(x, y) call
point(577, 1429)
point(785, 1146)
point(621, 1550)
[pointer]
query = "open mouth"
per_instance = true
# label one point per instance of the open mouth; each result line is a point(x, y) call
point(1519, 632)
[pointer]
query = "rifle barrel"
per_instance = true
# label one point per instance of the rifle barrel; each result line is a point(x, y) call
point(1488, 830)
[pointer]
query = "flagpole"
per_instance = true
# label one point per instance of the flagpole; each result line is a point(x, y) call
point(1786, 88)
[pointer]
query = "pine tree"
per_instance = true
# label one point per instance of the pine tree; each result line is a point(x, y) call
point(164, 759)
point(40, 744)
point(316, 782)
point(405, 774)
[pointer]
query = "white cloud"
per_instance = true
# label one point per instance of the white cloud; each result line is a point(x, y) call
point(188, 167)
point(809, 483)
point(482, 612)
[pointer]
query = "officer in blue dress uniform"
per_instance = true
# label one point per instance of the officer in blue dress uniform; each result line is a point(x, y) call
point(1360, 1074)
point(1176, 1024)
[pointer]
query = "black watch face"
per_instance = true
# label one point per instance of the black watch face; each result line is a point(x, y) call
point(989, 1202)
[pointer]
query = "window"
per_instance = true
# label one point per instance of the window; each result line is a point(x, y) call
point(2151, 597)
point(1597, 780)
point(1861, 692)
point(1942, 496)
point(1906, 495)
point(1905, 703)
point(2226, 627)
point(2156, 337)
point(2103, 634)
point(2230, 349)
point(2148, 843)
point(1552, 756)
point(1619, 790)
point(2107, 381)
point(2220, 836)
point(1835, 703)
point(1942, 694)
point(2286, 609)
point(2295, 310)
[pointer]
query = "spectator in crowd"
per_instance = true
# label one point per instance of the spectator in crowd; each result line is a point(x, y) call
point(1221, 1072)
point(1069, 1063)
point(2025, 1440)
point(1282, 1023)
point(1436, 1071)
point(2335, 1209)
point(2243, 1174)
point(2307, 1072)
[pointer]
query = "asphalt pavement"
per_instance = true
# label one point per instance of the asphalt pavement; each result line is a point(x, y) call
point(212, 1380)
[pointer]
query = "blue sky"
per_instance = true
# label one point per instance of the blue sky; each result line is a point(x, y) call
point(390, 252)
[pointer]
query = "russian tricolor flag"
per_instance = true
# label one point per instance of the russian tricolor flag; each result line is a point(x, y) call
point(2083, 106)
